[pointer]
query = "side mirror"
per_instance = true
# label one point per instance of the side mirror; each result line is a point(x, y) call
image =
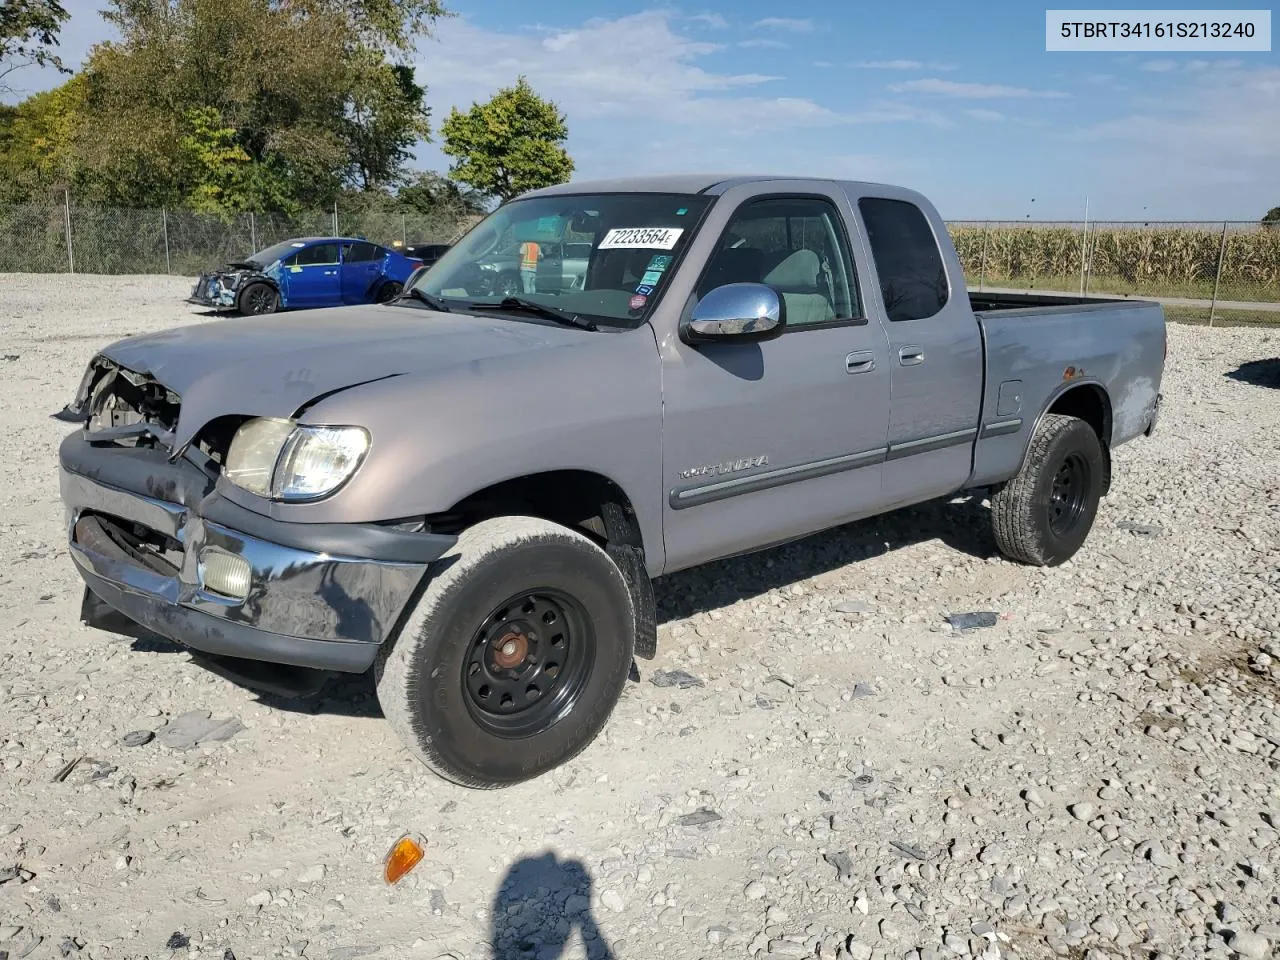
point(736, 313)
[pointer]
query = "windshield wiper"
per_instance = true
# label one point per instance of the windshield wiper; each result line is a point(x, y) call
point(413, 293)
point(540, 310)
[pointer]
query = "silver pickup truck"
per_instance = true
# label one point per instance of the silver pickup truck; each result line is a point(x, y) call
point(470, 493)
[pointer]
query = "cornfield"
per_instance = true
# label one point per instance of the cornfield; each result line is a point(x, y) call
point(1178, 261)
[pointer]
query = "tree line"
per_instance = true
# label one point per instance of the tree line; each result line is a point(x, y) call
point(228, 106)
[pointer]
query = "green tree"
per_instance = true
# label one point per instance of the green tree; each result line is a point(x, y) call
point(1271, 219)
point(233, 105)
point(512, 143)
point(28, 33)
point(429, 192)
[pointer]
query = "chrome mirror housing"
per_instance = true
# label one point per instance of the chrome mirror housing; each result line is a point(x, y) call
point(737, 312)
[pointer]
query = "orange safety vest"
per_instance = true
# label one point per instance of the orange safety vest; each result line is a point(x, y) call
point(528, 256)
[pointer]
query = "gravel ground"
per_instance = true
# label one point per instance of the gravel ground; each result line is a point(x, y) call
point(1093, 776)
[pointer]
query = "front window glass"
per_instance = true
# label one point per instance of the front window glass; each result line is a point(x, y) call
point(604, 256)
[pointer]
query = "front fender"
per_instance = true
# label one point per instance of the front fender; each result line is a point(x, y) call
point(436, 439)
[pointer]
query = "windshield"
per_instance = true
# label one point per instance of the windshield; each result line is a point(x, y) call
point(264, 258)
point(603, 256)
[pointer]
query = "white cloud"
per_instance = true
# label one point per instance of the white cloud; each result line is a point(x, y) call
point(823, 64)
point(785, 23)
point(763, 44)
point(640, 94)
point(1159, 66)
point(1207, 146)
point(971, 91)
point(985, 115)
point(901, 65)
point(710, 19)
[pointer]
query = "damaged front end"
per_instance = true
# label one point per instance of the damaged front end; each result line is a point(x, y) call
point(155, 540)
point(220, 289)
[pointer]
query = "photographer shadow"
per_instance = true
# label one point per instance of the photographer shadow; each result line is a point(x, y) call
point(538, 888)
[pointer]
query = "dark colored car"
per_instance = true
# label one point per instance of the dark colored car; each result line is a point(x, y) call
point(428, 253)
point(306, 272)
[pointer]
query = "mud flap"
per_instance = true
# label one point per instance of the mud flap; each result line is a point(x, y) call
point(623, 546)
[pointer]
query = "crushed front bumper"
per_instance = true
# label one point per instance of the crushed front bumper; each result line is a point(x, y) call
point(319, 595)
point(211, 292)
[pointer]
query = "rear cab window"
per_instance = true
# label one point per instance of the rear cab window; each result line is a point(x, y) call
point(913, 278)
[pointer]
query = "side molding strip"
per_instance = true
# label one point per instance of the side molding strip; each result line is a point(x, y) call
point(929, 444)
point(683, 497)
point(997, 428)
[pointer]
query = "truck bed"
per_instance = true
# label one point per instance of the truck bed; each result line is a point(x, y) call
point(1037, 302)
point(1037, 347)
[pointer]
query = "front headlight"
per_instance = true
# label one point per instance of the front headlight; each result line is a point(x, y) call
point(284, 460)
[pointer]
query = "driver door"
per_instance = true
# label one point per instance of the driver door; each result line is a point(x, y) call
point(765, 442)
point(313, 275)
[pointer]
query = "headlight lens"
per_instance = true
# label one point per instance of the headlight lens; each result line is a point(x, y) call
point(285, 461)
point(318, 460)
point(254, 451)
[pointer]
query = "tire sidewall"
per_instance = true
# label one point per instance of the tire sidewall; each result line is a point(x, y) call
point(439, 714)
point(387, 291)
point(243, 302)
point(1078, 438)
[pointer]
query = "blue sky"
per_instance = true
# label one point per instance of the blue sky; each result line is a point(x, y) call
point(960, 101)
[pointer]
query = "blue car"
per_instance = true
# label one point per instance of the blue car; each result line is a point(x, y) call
point(307, 272)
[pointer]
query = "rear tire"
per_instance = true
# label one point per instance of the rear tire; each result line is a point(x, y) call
point(514, 656)
point(1042, 516)
point(388, 291)
point(257, 299)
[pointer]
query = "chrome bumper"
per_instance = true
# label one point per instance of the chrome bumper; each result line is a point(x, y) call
point(305, 607)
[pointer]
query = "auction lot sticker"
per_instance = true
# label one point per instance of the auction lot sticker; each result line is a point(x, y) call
point(641, 238)
point(1191, 31)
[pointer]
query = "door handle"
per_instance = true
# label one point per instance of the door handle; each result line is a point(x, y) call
point(860, 362)
point(330, 273)
point(910, 356)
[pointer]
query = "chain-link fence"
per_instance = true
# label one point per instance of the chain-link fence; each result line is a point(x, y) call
point(61, 238)
point(1206, 271)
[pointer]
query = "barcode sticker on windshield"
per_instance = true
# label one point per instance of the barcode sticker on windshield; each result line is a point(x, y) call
point(641, 238)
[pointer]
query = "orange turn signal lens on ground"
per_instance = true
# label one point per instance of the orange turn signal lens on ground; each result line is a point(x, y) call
point(405, 854)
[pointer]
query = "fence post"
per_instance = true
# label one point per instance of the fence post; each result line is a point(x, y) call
point(335, 218)
point(253, 232)
point(164, 221)
point(66, 206)
point(982, 270)
point(1217, 277)
point(1084, 246)
point(404, 230)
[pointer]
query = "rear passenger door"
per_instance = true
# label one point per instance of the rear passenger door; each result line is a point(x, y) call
point(764, 442)
point(935, 353)
point(313, 276)
point(361, 271)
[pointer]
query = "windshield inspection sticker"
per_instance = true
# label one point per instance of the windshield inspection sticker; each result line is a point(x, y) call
point(651, 278)
point(641, 238)
point(644, 289)
point(659, 262)
point(638, 301)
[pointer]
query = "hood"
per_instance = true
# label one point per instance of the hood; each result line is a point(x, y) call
point(275, 365)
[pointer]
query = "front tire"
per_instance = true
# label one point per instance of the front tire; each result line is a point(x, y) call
point(514, 656)
point(257, 299)
point(1043, 515)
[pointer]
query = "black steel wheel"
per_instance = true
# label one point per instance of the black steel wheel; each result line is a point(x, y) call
point(257, 299)
point(514, 655)
point(1043, 515)
point(528, 662)
point(1069, 494)
point(388, 291)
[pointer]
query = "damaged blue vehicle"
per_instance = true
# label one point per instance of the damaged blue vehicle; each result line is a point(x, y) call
point(306, 272)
